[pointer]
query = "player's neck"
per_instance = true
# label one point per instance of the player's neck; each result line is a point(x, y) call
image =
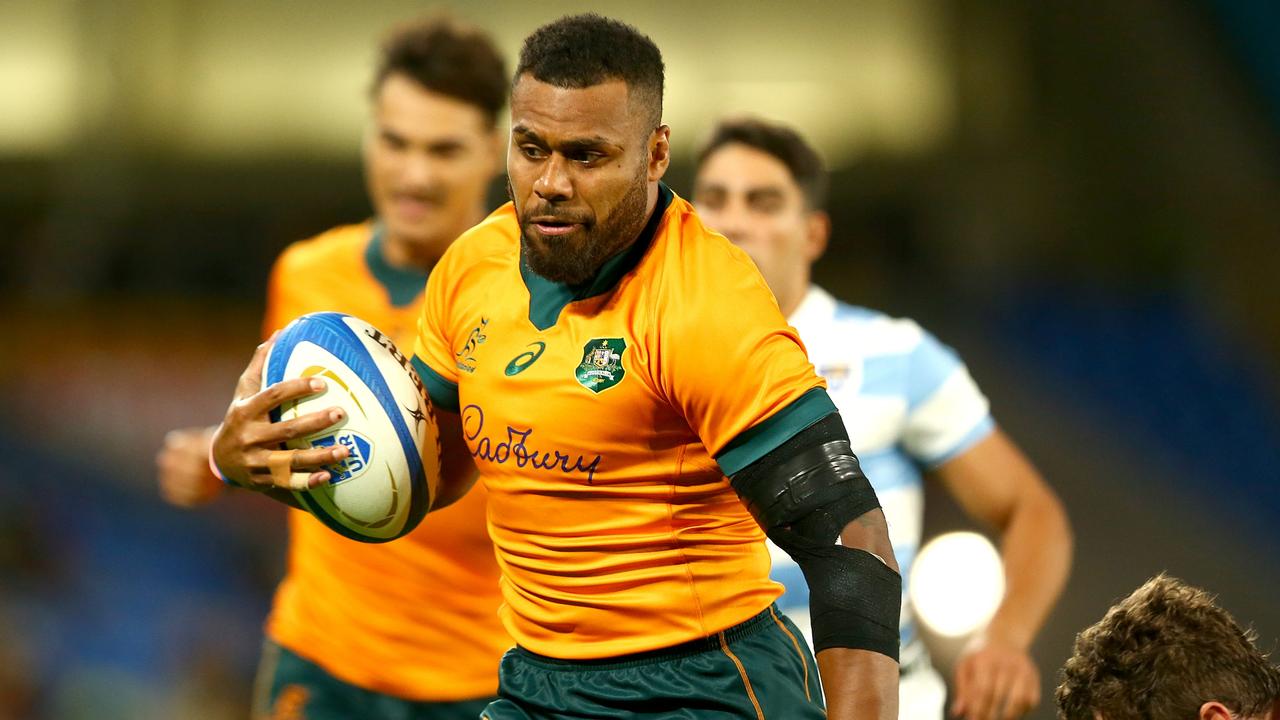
point(791, 302)
point(400, 252)
point(403, 254)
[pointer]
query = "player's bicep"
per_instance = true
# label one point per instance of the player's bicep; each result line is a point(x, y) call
point(432, 357)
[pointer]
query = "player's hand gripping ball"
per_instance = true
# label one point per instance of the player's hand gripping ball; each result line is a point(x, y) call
point(389, 477)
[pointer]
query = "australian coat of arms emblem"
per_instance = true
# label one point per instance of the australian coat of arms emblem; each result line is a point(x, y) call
point(601, 366)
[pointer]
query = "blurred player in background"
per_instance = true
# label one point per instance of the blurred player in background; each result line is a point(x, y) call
point(1167, 651)
point(909, 406)
point(408, 629)
point(638, 398)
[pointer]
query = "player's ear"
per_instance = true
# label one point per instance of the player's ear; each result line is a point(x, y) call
point(818, 227)
point(659, 152)
point(1214, 710)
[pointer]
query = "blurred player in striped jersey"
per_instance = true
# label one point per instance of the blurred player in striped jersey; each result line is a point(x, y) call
point(408, 629)
point(910, 407)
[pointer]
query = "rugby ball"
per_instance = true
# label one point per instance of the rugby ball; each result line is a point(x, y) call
point(387, 482)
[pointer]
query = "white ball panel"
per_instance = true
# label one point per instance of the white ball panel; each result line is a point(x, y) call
point(375, 500)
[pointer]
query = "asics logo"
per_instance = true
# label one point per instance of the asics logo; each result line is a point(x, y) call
point(525, 359)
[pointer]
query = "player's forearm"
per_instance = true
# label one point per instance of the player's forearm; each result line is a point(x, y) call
point(1036, 546)
point(863, 683)
point(453, 486)
point(858, 684)
point(457, 468)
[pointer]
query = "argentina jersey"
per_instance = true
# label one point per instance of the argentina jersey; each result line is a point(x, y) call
point(909, 405)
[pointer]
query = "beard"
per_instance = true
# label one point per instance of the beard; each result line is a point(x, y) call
point(575, 257)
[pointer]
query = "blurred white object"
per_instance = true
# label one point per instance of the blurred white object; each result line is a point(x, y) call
point(956, 583)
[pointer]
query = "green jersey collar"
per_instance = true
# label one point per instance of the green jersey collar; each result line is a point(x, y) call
point(402, 284)
point(548, 298)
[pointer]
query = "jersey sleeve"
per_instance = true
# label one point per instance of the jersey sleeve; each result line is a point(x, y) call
point(732, 366)
point(946, 411)
point(432, 356)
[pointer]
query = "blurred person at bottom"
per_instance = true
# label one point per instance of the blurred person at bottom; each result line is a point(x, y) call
point(408, 629)
point(910, 407)
point(1167, 651)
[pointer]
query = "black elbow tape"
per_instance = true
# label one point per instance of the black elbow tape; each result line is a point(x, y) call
point(855, 599)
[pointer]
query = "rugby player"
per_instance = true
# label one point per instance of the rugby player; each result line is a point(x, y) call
point(409, 630)
point(1167, 651)
point(909, 406)
point(638, 412)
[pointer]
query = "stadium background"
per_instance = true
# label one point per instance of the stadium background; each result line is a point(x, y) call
point(1082, 200)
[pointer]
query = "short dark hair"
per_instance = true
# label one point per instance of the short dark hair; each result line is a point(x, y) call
point(450, 58)
point(579, 51)
point(1163, 652)
point(802, 161)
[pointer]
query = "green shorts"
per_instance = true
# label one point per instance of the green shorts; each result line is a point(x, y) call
point(291, 687)
point(758, 670)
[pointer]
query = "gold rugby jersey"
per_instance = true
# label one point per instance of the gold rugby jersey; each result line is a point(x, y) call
point(603, 419)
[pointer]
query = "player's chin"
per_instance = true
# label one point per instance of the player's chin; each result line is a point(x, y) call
point(562, 264)
point(417, 231)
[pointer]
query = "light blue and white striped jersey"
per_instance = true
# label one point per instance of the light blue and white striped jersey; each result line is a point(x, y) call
point(908, 403)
